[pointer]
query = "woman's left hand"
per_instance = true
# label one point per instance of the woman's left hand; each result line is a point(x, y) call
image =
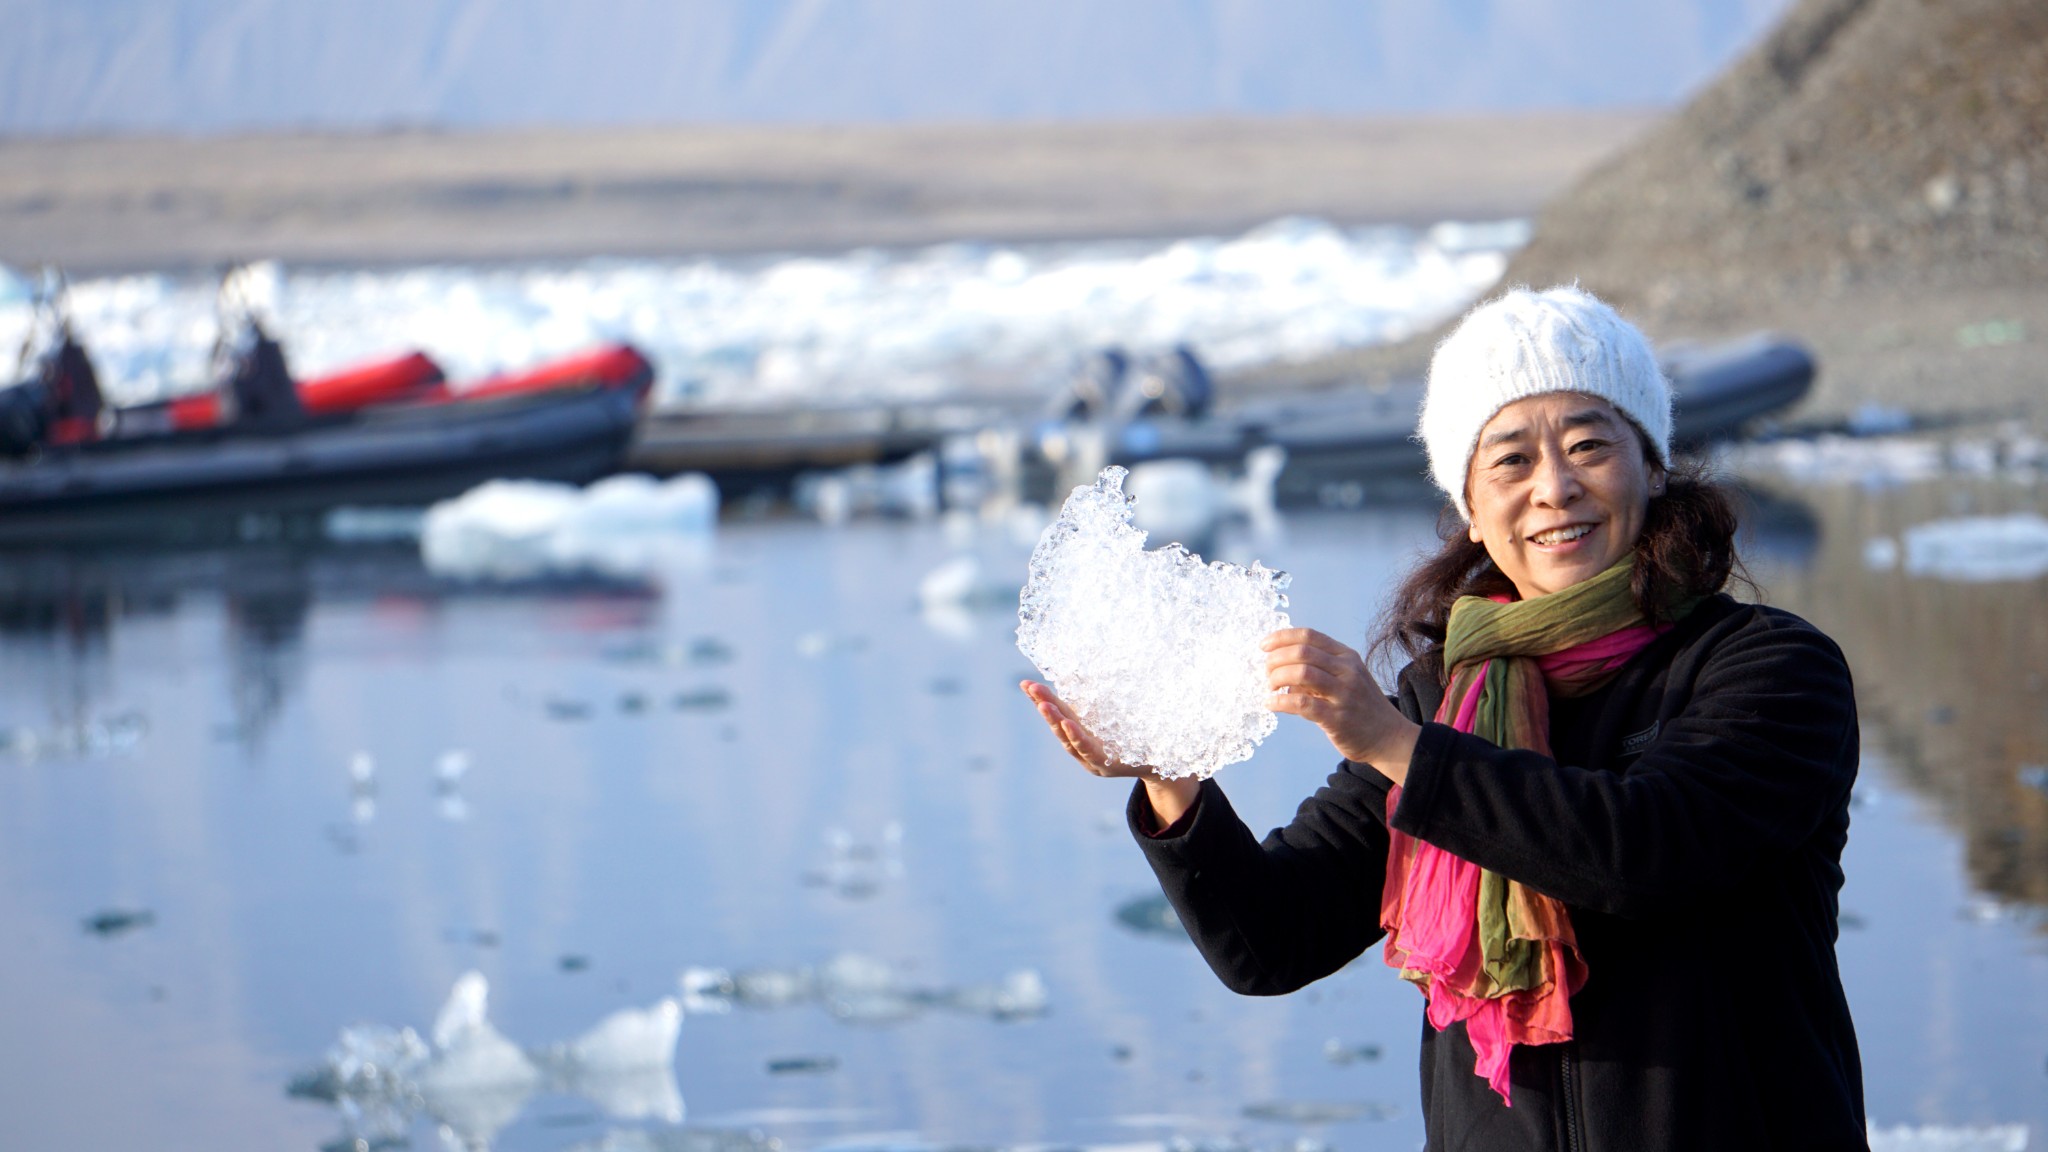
point(1328, 685)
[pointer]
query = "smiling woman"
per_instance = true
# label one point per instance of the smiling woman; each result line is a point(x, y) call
point(1600, 825)
point(1559, 490)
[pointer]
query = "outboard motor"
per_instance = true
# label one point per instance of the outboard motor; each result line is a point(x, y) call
point(1093, 389)
point(258, 389)
point(59, 404)
point(73, 386)
point(21, 418)
point(1172, 384)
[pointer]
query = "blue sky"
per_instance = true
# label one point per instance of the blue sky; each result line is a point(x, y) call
point(208, 65)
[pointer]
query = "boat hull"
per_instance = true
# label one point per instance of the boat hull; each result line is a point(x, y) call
point(208, 486)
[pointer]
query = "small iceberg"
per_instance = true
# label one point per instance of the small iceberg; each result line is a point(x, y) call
point(628, 526)
point(623, 1063)
point(1979, 549)
point(857, 989)
point(1181, 500)
point(468, 1077)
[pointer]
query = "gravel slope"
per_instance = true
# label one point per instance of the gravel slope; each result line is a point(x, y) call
point(1872, 177)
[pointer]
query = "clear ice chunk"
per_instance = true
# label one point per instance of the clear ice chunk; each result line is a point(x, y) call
point(1157, 652)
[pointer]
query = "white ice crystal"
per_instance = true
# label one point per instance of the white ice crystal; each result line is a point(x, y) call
point(1156, 652)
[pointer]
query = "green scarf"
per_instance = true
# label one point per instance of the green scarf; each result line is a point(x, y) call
point(1484, 948)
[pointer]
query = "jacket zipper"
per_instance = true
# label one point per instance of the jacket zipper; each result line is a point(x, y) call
point(1574, 1142)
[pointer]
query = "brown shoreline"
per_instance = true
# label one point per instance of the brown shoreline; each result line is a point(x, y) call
point(126, 203)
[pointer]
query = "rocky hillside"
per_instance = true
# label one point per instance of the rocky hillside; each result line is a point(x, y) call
point(1872, 178)
point(1862, 142)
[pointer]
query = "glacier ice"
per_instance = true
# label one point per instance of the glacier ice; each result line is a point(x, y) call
point(1979, 549)
point(859, 989)
point(623, 526)
point(466, 1076)
point(1156, 652)
point(857, 327)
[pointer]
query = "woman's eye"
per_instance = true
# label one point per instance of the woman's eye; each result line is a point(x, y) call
point(1511, 460)
point(1589, 445)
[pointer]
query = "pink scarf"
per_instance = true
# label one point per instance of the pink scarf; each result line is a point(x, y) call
point(1486, 950)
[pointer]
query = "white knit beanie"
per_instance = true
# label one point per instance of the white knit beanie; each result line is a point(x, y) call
point(1529, 344)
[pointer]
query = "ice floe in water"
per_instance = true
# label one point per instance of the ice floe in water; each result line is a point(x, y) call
point(473, 1081)
point(1942, 1138)
point(94, 737)
point(1155, 651)
point(1181, 500)
point(1883, 461)
point(862, 325)
point(859, 989)
point(622, 526)
point(1974, 549)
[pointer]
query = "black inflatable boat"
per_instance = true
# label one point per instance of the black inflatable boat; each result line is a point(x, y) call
point(262, 446)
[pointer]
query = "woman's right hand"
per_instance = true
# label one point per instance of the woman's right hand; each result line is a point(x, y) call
point(1170, 798)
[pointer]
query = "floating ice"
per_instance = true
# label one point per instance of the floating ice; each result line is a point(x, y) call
point(1175, 499)
point(1882, 461)
point(1840, 460)
point(859, 989)
point(950, 595)
point(861, 326)
point(1979, 549)
point(1942, 1138)
point(952, 584)
point(692, 1139)
point(1340, 1052)
point(1319, 1111)
point(1156, 652)
point(362, 777)
point(909, 488)
point(92, 737)
point(857, 869)
point(1020, 994)
point(450, 768)
point(474, 1081)
point(623, 1063)
point(624, 526)
point(1181, 500)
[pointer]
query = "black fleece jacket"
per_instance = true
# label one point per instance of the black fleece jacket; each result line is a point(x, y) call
point(1692, 820)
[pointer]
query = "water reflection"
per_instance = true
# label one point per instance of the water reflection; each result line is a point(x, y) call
point(1951, 675)
point(69, 603)
point(929, 931)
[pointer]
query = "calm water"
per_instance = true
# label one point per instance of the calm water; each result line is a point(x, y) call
point(780, 761)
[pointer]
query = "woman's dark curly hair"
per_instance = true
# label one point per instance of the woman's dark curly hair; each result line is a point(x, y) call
point(1687, 550)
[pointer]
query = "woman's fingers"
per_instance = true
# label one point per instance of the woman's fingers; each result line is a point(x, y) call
point(1306, 638)
point(1305, 678)
point(1306, 669)
point(1313, 709)
point(1074, 736)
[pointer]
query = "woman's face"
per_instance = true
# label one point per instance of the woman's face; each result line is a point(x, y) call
point(1558, 489)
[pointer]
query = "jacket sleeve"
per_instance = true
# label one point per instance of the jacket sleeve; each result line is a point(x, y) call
point(1740, 775)
point(1272, 916)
